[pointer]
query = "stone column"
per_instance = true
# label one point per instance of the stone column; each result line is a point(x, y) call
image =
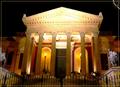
point(33, 55)
point(83, 59)
point(68, 55)
point(25, 56)
point(29, 56)
point(53, 55)
point(96, 55)
point(15, 56)
point(39, 52)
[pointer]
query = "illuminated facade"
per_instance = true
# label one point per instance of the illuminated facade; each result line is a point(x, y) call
point(63, 40)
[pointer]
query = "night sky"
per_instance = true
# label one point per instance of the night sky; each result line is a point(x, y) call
point(12, 13)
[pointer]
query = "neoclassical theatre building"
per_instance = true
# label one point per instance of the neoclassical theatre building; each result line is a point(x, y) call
point(61, 41)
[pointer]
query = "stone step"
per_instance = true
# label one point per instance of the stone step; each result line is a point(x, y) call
point(65, 82)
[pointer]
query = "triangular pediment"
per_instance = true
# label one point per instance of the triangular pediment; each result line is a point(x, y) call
point(62, 11)
point(63, 18)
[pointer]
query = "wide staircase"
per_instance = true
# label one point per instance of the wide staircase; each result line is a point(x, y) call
point(9, 79)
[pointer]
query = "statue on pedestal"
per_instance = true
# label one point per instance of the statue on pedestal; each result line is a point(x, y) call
point(2, 58)
point(113, 58)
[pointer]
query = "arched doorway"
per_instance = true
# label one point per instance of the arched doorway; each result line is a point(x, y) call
point(45, 59)
point(77, 60)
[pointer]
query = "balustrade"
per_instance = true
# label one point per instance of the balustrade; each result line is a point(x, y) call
point(111, 78)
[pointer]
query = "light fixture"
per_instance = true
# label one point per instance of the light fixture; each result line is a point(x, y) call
point(93, 74)
point(45, 54)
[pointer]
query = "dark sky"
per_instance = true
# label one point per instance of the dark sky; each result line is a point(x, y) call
point(12, 13)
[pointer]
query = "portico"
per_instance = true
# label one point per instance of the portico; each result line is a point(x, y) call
point(61, 38)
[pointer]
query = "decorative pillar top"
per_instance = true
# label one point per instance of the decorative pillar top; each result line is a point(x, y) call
point(95, 34)
point(28, 34)
point(82, 34)
point(54, 33)
point(68, 33)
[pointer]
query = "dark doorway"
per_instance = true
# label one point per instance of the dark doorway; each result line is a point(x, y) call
point(9, 57)
point(104, 61)
point(89, 50)
point(20, 61)
point(60, 68)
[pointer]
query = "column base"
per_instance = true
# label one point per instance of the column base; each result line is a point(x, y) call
point(23, 73)
point(67, 77)
point(52, 77)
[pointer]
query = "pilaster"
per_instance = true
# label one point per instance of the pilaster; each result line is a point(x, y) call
point(39, 52)
point(25, 56)
point(68, 55)
point(53, 54)
point(83, 58)
point(96, 54)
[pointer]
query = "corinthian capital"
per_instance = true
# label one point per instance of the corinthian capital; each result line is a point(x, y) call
point(95, 34)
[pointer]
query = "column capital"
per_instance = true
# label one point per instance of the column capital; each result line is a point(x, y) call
point(54, 34)
point(41, 34)
point(95, 34)
point(28, 34)
point(68, 33)
point(82, 34)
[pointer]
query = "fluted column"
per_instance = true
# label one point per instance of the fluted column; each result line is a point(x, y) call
point(39, 52)
point(32, 54)
point(29, 56)
point(68, 55)
point(25, 56)
point(83, 59)
point(96, 55)
point(53, 55)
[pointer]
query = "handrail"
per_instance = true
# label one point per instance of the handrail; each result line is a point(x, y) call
point(110, 70)
point(8, 72)
point(110, 77)
point(44, 79)
point(9, 78)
